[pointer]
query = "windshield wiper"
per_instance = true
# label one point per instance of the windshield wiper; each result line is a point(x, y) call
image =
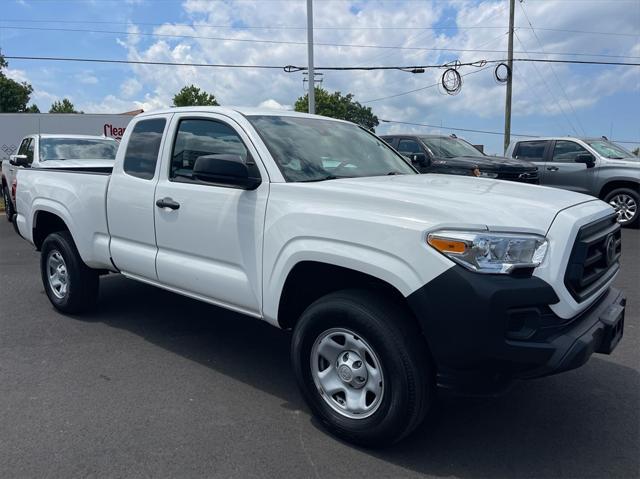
point(393, 173)
point(322, 178)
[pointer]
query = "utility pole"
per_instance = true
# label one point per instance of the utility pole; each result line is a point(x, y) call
point(312, 78)
point(507, 107)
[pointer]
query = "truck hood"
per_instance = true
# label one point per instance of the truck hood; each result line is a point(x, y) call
point(80, 164)
point(436, 200)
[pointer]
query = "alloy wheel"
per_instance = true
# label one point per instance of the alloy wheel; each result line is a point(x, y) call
point(625, 206)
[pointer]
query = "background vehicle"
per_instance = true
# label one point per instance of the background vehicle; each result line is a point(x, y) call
point(454, 156)
point(594, 166)
point(55, 151)
point(391, 281)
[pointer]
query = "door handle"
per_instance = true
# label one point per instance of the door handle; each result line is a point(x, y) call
point(552, 168)
point(168, 203)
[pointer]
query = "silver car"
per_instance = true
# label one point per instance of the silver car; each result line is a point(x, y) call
point(594, 166)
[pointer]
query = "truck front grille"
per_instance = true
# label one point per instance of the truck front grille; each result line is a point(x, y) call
point(595, 258)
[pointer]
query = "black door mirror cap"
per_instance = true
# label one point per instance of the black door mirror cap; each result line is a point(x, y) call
point(19, 160)
point(225, 170)
point(586, 158)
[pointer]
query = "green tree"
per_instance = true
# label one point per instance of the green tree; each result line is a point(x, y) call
point(192, 96)
point(63, 106)
point(14, 96)
point(337, 105)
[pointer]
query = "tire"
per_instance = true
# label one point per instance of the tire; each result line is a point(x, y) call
point(71, 286)
point(8, 205)
point(626, 201)
point(395, 353)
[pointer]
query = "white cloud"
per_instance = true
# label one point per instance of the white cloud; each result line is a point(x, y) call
point(87, 78)
point(17, 75)
point(130, 87)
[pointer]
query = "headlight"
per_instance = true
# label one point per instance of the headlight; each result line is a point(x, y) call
point(485, 174)
point(486, 252)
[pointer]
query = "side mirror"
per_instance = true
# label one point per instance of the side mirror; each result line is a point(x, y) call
point(587, 159)
point(419, 158)
point(230, 170)
point(18, 160)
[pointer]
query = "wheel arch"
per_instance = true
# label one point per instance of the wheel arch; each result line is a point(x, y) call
point(616, 184)
point(310, 280)
point(44, 223)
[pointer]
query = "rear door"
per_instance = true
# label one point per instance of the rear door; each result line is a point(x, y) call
point(562, 171)
point(130, 199)
point(534, 151)
point(210, 238)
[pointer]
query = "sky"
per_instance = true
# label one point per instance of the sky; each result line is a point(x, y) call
point(548, 99)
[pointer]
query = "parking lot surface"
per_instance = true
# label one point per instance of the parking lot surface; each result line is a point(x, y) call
point(152, 384)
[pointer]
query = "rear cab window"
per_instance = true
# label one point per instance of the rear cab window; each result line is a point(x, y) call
point(530, 150)
point(143, 147)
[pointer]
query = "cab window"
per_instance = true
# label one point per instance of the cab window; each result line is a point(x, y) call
point(29, 152)
point(530, 150)
point(143, 147)
point(200, 137)
point(566, 151)
point(409, 147)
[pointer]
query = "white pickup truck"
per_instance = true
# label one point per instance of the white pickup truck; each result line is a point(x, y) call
point(392, 281)
point(54, 151)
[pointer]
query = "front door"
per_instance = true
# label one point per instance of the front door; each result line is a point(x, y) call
point(562, 171)
point(210, 236)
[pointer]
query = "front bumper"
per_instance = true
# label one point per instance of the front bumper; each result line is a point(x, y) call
point(485, 326)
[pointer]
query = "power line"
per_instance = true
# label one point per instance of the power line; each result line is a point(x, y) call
point(294, 27)
point(484, 132)
point(144, 62)
point(290, 42)
point(421, 88)
point(562, 89)
point(292, 68)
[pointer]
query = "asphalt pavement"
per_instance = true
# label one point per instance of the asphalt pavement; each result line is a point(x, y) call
point(152, 384)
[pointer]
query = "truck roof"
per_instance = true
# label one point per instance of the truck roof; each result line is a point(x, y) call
point(232, 111)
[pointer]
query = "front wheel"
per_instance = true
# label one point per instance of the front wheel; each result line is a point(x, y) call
point(71, 285)
point(362, 367)
point(626, 202)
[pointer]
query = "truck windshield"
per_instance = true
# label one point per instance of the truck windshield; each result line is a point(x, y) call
point(310, 149)
point(611, 150)
point(77, 149)
point(450, 147)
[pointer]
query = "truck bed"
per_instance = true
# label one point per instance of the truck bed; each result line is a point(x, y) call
point(75, 193)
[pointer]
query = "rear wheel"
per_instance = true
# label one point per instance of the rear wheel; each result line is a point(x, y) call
point(71, 286)
point(627, 205)
point(362, 366)
point(8, 206)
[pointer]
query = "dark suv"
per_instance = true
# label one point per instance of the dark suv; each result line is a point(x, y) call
point(454, 156)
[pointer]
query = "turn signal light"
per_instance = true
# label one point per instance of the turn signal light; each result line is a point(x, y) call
point(447, 245)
